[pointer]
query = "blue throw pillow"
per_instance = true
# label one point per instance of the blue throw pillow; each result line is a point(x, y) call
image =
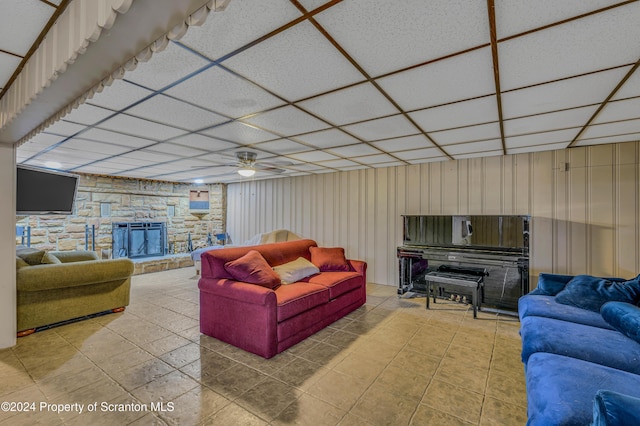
point(613, 408)
point(624, 317)
point(588, 292)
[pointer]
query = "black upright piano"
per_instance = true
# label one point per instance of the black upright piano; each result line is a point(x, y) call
point(495, 246)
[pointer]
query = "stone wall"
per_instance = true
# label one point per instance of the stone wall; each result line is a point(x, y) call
point(129, 200)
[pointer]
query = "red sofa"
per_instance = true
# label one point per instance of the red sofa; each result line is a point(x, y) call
point(267, 321)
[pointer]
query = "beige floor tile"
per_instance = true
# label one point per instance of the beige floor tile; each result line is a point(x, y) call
point(391, 361)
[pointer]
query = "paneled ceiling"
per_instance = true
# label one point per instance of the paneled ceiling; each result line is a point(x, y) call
point(314, 87)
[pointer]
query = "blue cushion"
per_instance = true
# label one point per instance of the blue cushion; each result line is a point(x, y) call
point(624, 317)
point(560, 390)
point(546, 306)
point(550, 284)
point(613, 408)
point(597, 345)
point(589, 292)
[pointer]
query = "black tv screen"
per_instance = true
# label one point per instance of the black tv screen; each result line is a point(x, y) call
point(41, 191)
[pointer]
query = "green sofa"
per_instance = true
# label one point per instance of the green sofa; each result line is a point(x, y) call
point(58, 286)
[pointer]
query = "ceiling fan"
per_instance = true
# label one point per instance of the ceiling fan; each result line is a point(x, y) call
point(247, 164)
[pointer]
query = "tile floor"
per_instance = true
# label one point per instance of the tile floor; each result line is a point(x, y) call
point(391, 362)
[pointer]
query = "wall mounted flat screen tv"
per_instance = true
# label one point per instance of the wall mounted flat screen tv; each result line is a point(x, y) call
point(42, 191)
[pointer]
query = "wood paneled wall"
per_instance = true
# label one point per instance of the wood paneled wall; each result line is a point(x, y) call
point(584, 203)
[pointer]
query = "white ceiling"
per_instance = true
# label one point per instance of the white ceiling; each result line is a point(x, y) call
point(315, 87)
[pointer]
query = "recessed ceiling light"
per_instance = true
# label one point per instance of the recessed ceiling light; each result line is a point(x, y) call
point(198, 181)
point(52, 165)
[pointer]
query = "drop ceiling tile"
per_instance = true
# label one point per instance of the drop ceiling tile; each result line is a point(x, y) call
point(515, 17)
point(175, 148)
point(8, 64)
point(240, 133)
point(176, 113)
point(383, 128)
point(611, 129)
point(20, 24)
point(357, 167)
point(349, 105)
point(68, 157)
point(394, 35)
point(166, 67)
point(294, 64)
point(474, 147)
point(467, 113)
point(495, 153)
point(311, 5)
point(584, 45)
point(417, 154)
point(574, 92)
point(87, 114)
point(202, 142)
point(312, 156)
point(282, 146)
point(42, 141)
point(64, 128)
point(97, 147)
point(139, 127)
point(287, 121)
point(221, 91)
point(391, 164)
point(338, 164)
point(632, 137)
point(241, 23)
point(402, 144)
point(376, 159)
point(327, 138)
point(356, 150)
point(549, 121)
point(101, 169)
point(149, 155)
point(619, 110)
point(537, 148)
point(630, 88)
point(429, 160)
point(119, 95)
point(125, 163)
point(108, 136)
point(309, 167)
point(466, 134)
point(544, 138)
point(453, 79)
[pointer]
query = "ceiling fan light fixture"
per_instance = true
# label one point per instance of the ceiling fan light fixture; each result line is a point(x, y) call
point(246, 172)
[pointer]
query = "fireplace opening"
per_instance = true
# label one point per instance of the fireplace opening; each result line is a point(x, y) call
point(138, 239)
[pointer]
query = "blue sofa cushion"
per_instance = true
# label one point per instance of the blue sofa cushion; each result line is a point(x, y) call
point(550, 284)
point(624, 317)
point(597, 345)
point(546, 306)
point(588, 292)
point(613, 408)
point(560, 390)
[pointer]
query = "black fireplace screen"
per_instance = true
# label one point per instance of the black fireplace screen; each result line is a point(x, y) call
point(138, 239)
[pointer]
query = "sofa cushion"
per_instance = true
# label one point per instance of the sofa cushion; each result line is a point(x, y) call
point(613, 408)
point(329, 258)
point(296, 298)
point(597, 345)
point(252, 268)
point(20, 263)
point(589, 292)
point(624, 317)
point(560, 390)
point(338, 283)
point(30, 255)
point(295, 270)
point(546, 306)
point(48, 258)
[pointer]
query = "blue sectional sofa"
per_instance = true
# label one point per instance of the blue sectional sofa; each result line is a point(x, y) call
point(581, 350)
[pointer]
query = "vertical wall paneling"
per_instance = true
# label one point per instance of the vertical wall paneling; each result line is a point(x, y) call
point(627, 212)
point(585, 218)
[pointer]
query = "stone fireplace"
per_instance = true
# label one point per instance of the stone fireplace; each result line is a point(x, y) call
point(139, 239)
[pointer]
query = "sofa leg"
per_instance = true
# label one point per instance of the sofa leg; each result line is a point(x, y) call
point(26, 332)
point(120, 309)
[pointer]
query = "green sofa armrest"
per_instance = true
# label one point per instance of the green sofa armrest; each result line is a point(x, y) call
point(75, 255)
point(73, 274)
